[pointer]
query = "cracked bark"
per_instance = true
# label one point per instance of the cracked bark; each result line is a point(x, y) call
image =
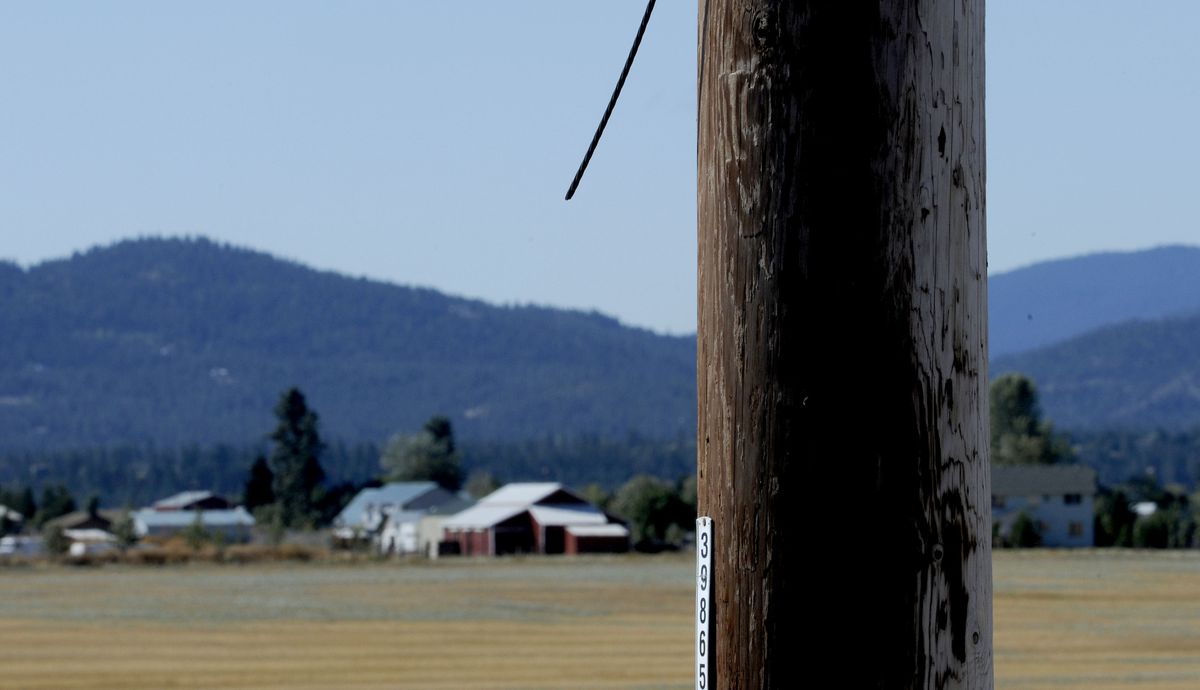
point(842, 361)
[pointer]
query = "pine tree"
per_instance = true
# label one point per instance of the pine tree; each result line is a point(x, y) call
point(1019, 435)
point(295, 461)
point(259, 489)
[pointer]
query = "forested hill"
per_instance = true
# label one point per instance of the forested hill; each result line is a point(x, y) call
point(1138, 374)
point(186, 341)
point(1057, 300)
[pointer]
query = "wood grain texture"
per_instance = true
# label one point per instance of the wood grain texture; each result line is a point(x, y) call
point(842, 362)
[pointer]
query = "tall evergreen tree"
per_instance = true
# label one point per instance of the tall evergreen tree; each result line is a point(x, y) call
point(260, 485)
point(1019, 436)
point(24, 503)
point(295, 461)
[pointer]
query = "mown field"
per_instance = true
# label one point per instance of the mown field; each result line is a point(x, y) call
point(1102, 620)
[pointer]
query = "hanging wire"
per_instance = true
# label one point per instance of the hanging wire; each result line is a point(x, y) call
point(612, 102)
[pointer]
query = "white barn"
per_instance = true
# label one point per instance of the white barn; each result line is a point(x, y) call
point(232, 526)
point(389, 516)
point(1058, 498)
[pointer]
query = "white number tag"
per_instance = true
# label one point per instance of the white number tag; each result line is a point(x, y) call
point(704, 578)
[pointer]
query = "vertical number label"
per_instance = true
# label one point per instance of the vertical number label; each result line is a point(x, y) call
point(703, 601)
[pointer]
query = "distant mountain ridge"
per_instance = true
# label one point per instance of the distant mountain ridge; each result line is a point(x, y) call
point(1137, 374)
point(172, 341)
point(1054, 301)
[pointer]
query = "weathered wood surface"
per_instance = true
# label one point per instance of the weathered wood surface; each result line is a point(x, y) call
point(842, 342)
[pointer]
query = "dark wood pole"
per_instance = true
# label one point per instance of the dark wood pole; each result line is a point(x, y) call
point(842, 335)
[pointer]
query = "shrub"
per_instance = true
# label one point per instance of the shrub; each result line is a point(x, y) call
point(1025, 532)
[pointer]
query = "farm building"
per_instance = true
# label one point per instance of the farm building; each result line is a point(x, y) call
point(232, 525)
point(388, 516)
point(192, 500)
point(534, 518)
point(88, 541)
point(88, 532)
point(610, 538)
point(429, 534)
point(1058, 498)
point(399, 532)
point(85, 520)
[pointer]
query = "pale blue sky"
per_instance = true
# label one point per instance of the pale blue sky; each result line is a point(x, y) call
point(431, 143)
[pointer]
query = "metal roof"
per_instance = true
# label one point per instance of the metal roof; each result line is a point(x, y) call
point(511, 500)
point(559, 516)
point(236, 517)
point(609, 530)
point(482, 515)
point(521, 493)
point(90, 534)
point(1041, 480)
point(182, 500)
point(396, 494)
point(82, 518)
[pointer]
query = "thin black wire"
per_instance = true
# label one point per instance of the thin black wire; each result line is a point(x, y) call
point(612, 102)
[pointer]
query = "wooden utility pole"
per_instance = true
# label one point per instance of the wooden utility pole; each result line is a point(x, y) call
point(842, 334)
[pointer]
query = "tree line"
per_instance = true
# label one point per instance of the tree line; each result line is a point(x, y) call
point(296, 479)
point(287, 485)
point(136, 475)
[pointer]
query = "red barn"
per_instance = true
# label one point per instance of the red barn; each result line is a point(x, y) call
point(610, 538)
point(534, 518)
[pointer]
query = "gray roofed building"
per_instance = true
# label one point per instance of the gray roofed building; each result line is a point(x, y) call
point(367, 510)
point(232, 525)
point(1058, 498)
point(389, 515)
point(1031, 480)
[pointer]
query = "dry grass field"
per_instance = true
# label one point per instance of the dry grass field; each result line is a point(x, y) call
point(1063, 620)
point(1099, 619)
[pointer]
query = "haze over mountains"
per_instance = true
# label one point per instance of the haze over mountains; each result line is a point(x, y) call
point(186, 341)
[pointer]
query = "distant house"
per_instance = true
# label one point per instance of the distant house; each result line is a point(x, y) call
point(88, 532)
point(83, 520)
point(400, 532)
point(389, 516)
point(230, 525)
point(1058, 498)
point(534, 518)
point(89, 541)
point(192, 500)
